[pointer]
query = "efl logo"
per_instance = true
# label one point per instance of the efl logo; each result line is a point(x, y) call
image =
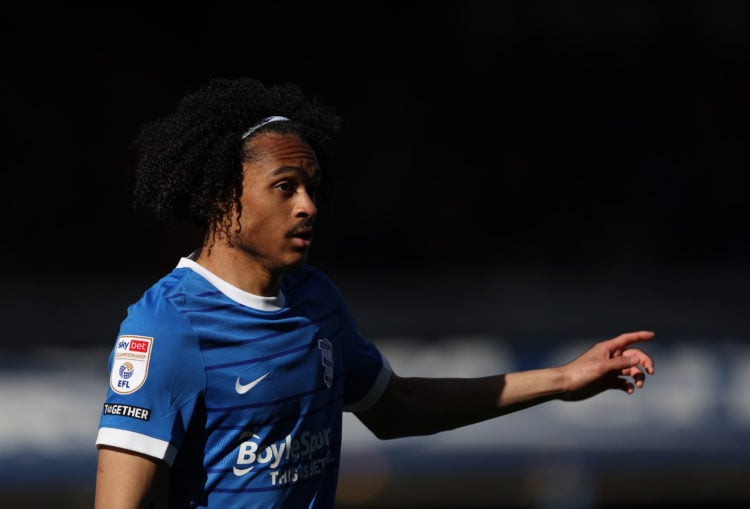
point(130, 364)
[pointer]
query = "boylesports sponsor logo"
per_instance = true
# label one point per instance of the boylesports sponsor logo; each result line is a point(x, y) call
point(309, 452)
point(142, 414)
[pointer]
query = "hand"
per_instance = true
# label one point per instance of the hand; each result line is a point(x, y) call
point(609, 364)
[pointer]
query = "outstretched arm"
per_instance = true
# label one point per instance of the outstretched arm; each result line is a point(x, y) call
point(422, 406)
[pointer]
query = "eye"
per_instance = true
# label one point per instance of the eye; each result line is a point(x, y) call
point(285, 187)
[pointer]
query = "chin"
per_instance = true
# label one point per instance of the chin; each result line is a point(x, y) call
point(299, 261)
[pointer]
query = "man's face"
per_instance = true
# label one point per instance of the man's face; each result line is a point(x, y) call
point(278, 202)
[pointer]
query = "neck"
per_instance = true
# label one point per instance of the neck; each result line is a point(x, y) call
point(240, 269)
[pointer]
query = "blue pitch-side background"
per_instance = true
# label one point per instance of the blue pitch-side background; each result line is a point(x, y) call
point(691, 422)
point(694, 414)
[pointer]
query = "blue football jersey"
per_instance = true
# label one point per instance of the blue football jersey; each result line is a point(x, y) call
point(242, 395)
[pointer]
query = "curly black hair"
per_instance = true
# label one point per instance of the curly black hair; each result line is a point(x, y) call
point(188, 166)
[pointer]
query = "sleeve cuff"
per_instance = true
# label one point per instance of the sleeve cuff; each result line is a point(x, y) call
point(137, 442)
point(377, 389)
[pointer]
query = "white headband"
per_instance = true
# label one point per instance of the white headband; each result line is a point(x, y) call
point(267, 120)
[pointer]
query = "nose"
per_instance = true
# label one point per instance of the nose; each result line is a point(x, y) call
point(305, 205)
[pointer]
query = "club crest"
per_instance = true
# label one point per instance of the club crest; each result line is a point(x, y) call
point(326, 358)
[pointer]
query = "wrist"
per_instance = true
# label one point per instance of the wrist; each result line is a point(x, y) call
point(561, 383)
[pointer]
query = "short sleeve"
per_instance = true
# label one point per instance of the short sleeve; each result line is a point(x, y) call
point(151, 398)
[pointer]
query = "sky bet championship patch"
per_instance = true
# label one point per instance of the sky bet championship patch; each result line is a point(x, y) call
point(130, 363)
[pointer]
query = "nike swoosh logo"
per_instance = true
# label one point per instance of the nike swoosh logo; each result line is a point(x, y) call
point(242, 389)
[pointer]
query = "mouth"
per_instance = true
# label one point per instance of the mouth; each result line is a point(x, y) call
point(302, 237)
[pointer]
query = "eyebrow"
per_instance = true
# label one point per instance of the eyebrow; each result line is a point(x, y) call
point(298, 170)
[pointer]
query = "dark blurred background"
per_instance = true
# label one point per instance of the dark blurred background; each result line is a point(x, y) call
point(530, 172)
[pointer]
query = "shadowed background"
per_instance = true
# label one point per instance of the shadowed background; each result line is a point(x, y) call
point(515, 178)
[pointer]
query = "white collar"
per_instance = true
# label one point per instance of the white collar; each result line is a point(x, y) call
point(236, 294)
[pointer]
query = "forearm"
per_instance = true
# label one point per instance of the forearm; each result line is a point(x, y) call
point(422, 406)
point(528, 388)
